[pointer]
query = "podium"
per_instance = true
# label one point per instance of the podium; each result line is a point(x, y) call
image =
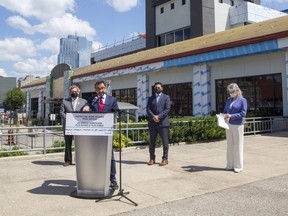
point(93, 137)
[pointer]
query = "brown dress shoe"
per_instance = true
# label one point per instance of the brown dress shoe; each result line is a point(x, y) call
point(67, 164)
point(151, 162)
point(163, 162)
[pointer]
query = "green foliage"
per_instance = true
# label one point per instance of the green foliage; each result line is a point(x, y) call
point(11, 154)
point(14, 99)
point(195, 129)
point(56, 144)
point(189, 129)
point(116, 140)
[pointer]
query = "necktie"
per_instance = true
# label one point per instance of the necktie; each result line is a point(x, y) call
point(157, 97)
point(101, 104)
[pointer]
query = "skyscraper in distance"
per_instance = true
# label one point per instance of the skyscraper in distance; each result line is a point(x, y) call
point(75, 51)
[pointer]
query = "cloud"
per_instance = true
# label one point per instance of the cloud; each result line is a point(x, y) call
point(50, 44)
point(14, 49)
point(39, 9)
point(3, 72)
point(65, 25)
point(18, 22)
point(96, 46)
point(123, 5)
point(55, 27)
point(36, 67)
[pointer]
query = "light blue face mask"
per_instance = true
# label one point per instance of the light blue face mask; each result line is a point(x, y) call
point(233, 95)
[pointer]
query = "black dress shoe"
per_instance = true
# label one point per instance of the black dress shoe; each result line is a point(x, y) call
point(114, 185)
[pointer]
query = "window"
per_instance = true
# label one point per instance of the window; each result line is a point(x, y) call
point(187, 33)
point(220, 1)
point(172, 6)
point(232, 3)
point(170, 38)
point(161, 40)
point(162, 10)
point(181, 98)
point(183, 2)
point(178, 35)
point(263, 94)
point(126, 95)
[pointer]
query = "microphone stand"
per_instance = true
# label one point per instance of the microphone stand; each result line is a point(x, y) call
point(121, 192)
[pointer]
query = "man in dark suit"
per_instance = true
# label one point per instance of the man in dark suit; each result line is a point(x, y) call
point(158, 108)
point(73, 103)
point(104, 103)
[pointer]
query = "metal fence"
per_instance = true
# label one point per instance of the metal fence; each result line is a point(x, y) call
point(40, 139)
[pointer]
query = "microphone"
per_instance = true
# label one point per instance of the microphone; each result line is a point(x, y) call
point(95, 100)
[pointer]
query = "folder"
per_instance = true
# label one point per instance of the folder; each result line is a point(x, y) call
point(221, 122)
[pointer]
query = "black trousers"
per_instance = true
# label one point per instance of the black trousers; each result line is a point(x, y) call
point(68, 148)
point(164, 134)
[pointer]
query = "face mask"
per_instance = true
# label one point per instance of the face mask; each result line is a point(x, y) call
point(74, 95)
point(157, 90)
point(233, 95)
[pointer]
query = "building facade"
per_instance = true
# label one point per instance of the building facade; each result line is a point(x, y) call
point(169, 21)
point(75, 51)
point(195, 72)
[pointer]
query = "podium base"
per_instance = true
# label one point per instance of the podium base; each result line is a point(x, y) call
point(75, 194)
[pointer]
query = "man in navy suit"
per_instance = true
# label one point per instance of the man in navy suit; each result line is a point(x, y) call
point(73, 103)
point(158, 108)
point(104, 103)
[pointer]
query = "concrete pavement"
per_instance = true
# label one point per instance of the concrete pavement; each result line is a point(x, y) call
point(194, 183)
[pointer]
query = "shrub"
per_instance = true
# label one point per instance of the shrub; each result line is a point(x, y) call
point(11, 154)
point(124, 140)
point(56, 144)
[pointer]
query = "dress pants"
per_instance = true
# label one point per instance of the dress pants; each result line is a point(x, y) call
point(235, 139)
point(164, 134)
point(113, 168)
point(68, 148)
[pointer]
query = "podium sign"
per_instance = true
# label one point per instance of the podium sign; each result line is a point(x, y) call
point(93, 137)
point(87, 123)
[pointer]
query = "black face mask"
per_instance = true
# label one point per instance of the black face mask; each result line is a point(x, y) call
point(157, 90)
point(74, 95)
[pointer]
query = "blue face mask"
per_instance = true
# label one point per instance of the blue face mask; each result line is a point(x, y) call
point(233, 95)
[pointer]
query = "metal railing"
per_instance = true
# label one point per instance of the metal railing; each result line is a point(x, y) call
point(40, 139)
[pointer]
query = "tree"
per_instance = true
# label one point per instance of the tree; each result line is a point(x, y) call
point(14, 99)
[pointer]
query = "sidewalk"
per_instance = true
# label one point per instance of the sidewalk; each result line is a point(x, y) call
point(194, 182)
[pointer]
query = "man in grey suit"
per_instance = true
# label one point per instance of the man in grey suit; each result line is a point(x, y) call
point(73, 103)
point(158, 108)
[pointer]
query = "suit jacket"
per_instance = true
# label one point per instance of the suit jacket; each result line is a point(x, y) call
point(110, 104)
point(162, 109)
point(66, 106)
point(237, 111)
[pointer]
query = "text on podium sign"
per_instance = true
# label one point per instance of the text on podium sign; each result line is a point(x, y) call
point(89, 123)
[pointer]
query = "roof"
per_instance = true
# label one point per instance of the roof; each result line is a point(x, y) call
point(126, 106)
point(249, 34)
point(40, 81)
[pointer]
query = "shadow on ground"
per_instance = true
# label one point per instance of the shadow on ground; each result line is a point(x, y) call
point(48, 163)
point(55, 187)
point(192, 168)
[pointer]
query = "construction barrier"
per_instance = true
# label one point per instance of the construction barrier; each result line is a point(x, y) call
point(10, 137)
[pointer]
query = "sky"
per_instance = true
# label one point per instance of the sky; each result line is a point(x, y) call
point(30, 29)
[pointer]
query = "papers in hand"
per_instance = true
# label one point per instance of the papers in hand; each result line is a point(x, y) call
point(221, 122)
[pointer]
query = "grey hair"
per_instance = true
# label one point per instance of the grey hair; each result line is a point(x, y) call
point(74, 86)
point(235, 87)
